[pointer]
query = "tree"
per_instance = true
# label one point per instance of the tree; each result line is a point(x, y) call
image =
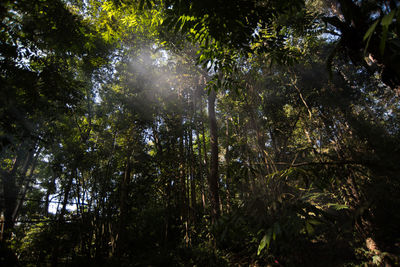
point(48, 53)
point(368, 35)
point(214, 175)
point(197, 133)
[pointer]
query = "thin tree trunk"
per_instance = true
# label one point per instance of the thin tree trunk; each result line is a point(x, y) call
point(192, 176)
point(29, 177)
point(49, 191)
point(206, 172)
point(213, 176)
point(228, 162)
point(203, 166)
point(182, 174)
point(123, 206)
point(55, 254)
point(200, 172)
point(10, 190)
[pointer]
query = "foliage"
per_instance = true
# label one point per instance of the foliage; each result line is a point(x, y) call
point(199, 133)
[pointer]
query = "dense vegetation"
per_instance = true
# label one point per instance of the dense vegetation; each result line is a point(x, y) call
point(200, 133)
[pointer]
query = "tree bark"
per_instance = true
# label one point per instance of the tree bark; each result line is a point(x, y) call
point(213, 176)
point(192, 176)
point(11, 189)
point(182, 177)
point(28, 178)
point(123, 208)
point(228, 162)
point(56, 246)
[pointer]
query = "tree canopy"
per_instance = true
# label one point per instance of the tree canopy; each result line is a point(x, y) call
point(199, 133)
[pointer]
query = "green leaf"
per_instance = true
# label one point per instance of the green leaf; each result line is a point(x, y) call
point(202, 57)
point(338, 206)
point(369, 34)
point(309, 228)
point(371, 30)
point(265, 241)
point(388, 18)
point(377, 260)
point(314, 222)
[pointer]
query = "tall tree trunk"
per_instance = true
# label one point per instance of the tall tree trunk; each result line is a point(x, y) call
point(56, 246)
point(123, 209)
point(10, 200)
point(192, 176)
point(205, 160)
point(184, 202)
point(50, 190)
point(200, 163)
point(11, 189)
point(182, 178)
point(213, 176)
point(26, 178)
point(228, 162)
point(200, 172)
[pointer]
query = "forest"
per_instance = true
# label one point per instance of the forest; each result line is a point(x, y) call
point(200, 133)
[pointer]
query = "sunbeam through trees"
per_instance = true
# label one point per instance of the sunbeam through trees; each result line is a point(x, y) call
point(200, 133)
